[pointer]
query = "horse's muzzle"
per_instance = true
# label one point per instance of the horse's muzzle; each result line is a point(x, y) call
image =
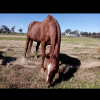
point(49, 85)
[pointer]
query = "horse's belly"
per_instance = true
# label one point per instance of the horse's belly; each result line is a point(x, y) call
point(35, 38)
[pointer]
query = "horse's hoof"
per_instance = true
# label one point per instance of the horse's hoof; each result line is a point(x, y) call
point(42, 70)
point(35, 57)
point(47, 85)
point(24, 58)
point(50, 85)
point(28, 52)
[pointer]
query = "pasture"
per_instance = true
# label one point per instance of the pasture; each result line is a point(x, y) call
point(79, 63)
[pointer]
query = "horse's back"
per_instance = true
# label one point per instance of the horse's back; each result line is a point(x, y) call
point(42, 31)
point(49, 20)
point(33, 26)
point(33, 30)
point(54, 25)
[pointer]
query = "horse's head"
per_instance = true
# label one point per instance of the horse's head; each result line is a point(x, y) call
point(51, 70)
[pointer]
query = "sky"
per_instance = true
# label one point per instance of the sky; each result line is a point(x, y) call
point(86, 22)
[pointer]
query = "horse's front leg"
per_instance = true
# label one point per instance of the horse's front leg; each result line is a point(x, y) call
point(43, 56)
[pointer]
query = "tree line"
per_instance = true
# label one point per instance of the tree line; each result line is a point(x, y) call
point(5, 29)
point(76, 33)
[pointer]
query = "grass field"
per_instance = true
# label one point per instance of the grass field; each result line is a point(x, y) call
point(79, 63)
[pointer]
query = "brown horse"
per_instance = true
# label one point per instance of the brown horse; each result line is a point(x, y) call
point(46, 32)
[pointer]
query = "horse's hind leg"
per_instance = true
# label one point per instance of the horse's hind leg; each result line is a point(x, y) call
point(37, 47)
point(27, 43)
point(30, 46)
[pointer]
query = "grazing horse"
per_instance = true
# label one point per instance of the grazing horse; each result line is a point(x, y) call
point(46, 32)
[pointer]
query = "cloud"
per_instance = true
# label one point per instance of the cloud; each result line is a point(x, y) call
point(21, 25)
point(25, 25)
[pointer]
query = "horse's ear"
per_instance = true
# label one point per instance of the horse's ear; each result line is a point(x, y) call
point(47, 56)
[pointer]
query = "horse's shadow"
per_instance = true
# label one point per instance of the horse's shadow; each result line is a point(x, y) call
point(6, 60)
point(71, 66)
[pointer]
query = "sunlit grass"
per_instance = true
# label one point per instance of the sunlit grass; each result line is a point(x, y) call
point(63, 38)
point(12, 38)
point(22, 34)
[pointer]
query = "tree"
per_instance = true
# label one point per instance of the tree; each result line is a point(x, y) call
point(67, 31)
point(98, 35)
point(81, 33)
point(5, 29)
point(20, 30)
point(1, 30)
point(8, 30)
point(71, 33)
point(63, 33)
point(12, 29)
point(84, 33)
point(76, 32)
point(89, 34)
point(94, 34)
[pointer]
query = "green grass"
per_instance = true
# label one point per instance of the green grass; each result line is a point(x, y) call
point(12, 38)
point(22, 34)
point(80, 39)
point(78, 84)
point(63, 38)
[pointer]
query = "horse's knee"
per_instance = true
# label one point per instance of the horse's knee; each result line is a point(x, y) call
point(43, 57)
point(25, 48)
